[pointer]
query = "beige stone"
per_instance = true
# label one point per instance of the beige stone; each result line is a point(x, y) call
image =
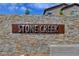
point(76, 24)
point(33, 42)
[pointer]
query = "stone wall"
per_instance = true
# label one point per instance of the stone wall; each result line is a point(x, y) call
point(35, 44)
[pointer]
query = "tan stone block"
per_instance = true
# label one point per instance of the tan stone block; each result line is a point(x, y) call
point(60, 36)
point(76, 39)
point(27, 53)
point(7, 53)
point(18, 46)
point(3, 54)
point(45, 42)
point(76, 23)
point(41, 53)
point(1, 21)
point(18, 53)
point(33, 53)
point(34, 42)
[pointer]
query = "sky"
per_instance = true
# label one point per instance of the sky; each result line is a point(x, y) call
point(19, 8)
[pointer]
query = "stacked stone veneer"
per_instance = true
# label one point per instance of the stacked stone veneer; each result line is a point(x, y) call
point(35, 44)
